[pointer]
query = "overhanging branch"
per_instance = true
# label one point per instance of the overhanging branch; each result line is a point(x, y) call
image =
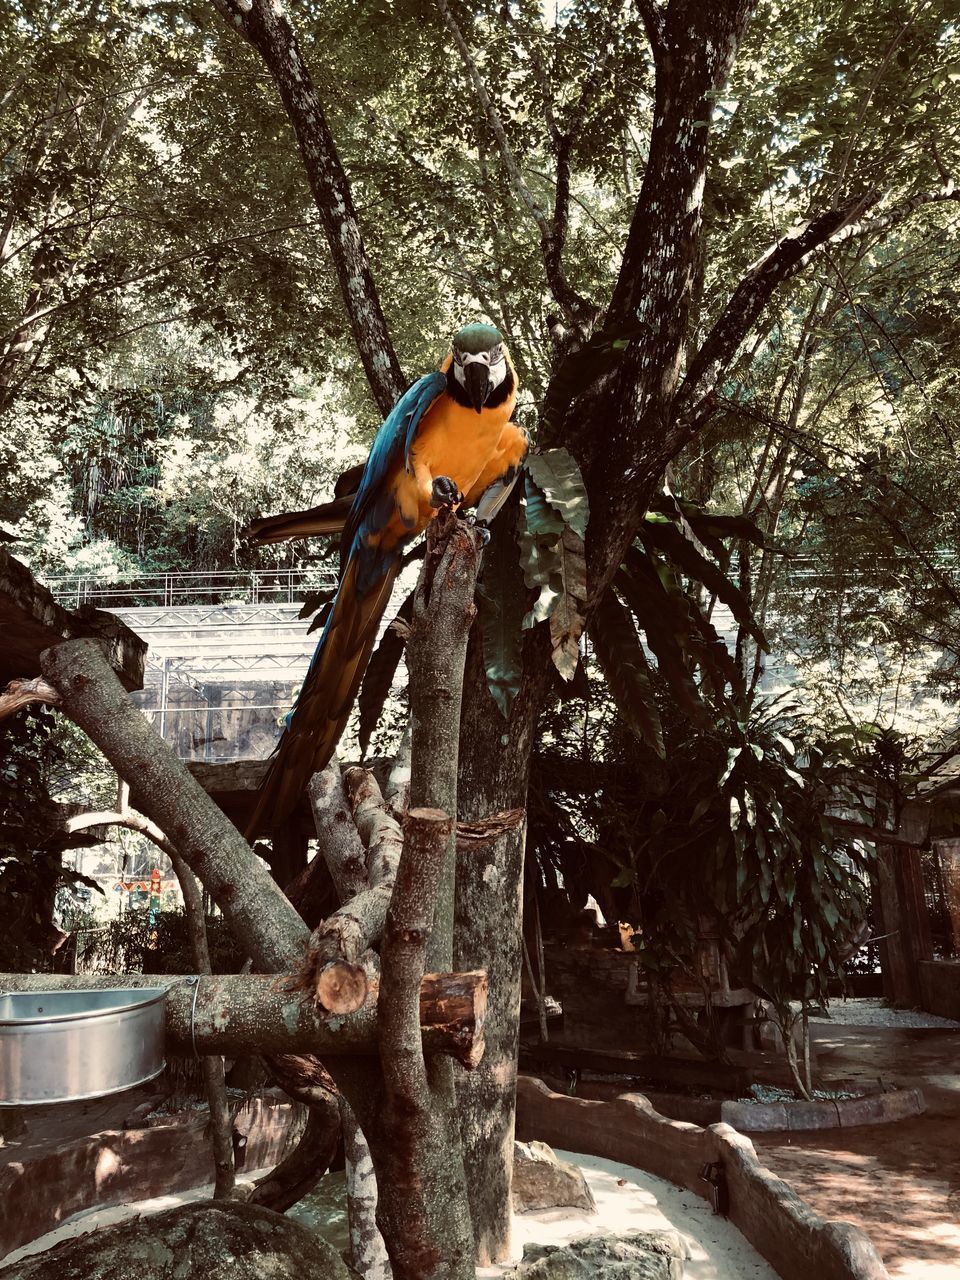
point(779, 264)
point(265, 25)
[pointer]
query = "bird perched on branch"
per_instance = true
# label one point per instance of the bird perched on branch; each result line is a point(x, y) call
point(448, 442)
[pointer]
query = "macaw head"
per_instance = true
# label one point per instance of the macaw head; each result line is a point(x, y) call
point(479, 362)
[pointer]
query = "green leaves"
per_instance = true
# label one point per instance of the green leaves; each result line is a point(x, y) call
point(624, 664)
point(556, 474)
point(662, 535)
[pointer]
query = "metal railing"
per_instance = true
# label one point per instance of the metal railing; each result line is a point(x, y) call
point(163, 590)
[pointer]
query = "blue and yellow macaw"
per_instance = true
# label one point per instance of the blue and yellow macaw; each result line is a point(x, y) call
point(447, 442)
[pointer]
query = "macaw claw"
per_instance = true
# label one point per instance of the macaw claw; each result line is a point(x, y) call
point(444, 493)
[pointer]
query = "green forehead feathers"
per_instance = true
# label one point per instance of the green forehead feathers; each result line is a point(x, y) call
point(477, 338)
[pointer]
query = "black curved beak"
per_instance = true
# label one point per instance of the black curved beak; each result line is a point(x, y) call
point(476, 377)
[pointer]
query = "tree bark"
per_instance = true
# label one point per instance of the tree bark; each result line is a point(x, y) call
point(221, 1128)
point(420, 1174)
point(368, 1256)
point(239, 1013)
point(493, 775)
point(337, 833)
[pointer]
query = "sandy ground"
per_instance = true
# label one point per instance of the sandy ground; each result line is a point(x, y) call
point(863, 1012)
point(627, 1199)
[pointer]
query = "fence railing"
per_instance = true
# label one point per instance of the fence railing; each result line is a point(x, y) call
point(163, 590)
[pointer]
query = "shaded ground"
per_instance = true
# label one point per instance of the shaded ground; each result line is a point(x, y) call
point(899, 1182)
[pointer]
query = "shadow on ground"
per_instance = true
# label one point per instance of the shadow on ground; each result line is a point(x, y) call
point(900, 1182)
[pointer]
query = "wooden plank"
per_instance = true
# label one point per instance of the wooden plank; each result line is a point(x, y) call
point(31, 621)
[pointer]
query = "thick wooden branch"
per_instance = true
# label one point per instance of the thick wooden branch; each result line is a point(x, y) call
point(334, 973)
point(253, 905)
point(264, 23)
point(239, 1014)
point(377, 827)
point(652, 15)
point(408, 925)
point(695, 46)
point(337, 833)
point(422, 1150)
point(443, 613)
point(23, 693)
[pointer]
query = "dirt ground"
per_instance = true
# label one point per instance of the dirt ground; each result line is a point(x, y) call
point(899, 1182)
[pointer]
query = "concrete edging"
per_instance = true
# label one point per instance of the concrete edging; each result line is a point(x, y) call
point(797, 1242)
point(844, 1113)
point(117, 1166)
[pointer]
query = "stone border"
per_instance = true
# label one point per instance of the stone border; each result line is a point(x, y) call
point(119, 1166)
point(843, 1113)
point(797, 1242)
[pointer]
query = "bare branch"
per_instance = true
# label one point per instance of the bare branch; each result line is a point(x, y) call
point(552, 247)
point(23, 693)
point(264, 23)
point(128, 818)
point(221, 1129)
point(779, 264)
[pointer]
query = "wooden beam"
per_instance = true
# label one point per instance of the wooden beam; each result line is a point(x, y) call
point(31, 621)
point(238, 1014)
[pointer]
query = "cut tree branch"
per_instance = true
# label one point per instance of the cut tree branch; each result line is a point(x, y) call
point(334, 973)
point(239, 1013)
point(23, 693)
point(265, 25)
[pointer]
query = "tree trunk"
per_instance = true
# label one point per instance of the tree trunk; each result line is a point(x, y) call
point(368, 1257)
point(221, 1126)
point(494, 774)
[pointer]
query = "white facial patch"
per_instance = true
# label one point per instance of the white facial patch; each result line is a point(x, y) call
point(495, 360)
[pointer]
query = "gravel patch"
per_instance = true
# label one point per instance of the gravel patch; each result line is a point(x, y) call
point(863, 1012)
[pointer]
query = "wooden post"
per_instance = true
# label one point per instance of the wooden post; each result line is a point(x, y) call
point(949, 854)
point(906, 926)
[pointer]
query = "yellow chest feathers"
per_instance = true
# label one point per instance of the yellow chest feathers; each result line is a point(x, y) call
point(456, 441)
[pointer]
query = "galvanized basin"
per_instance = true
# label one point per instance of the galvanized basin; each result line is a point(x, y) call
point(65, 1046)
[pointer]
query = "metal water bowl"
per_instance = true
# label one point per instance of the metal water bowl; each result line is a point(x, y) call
point(66, 1046)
